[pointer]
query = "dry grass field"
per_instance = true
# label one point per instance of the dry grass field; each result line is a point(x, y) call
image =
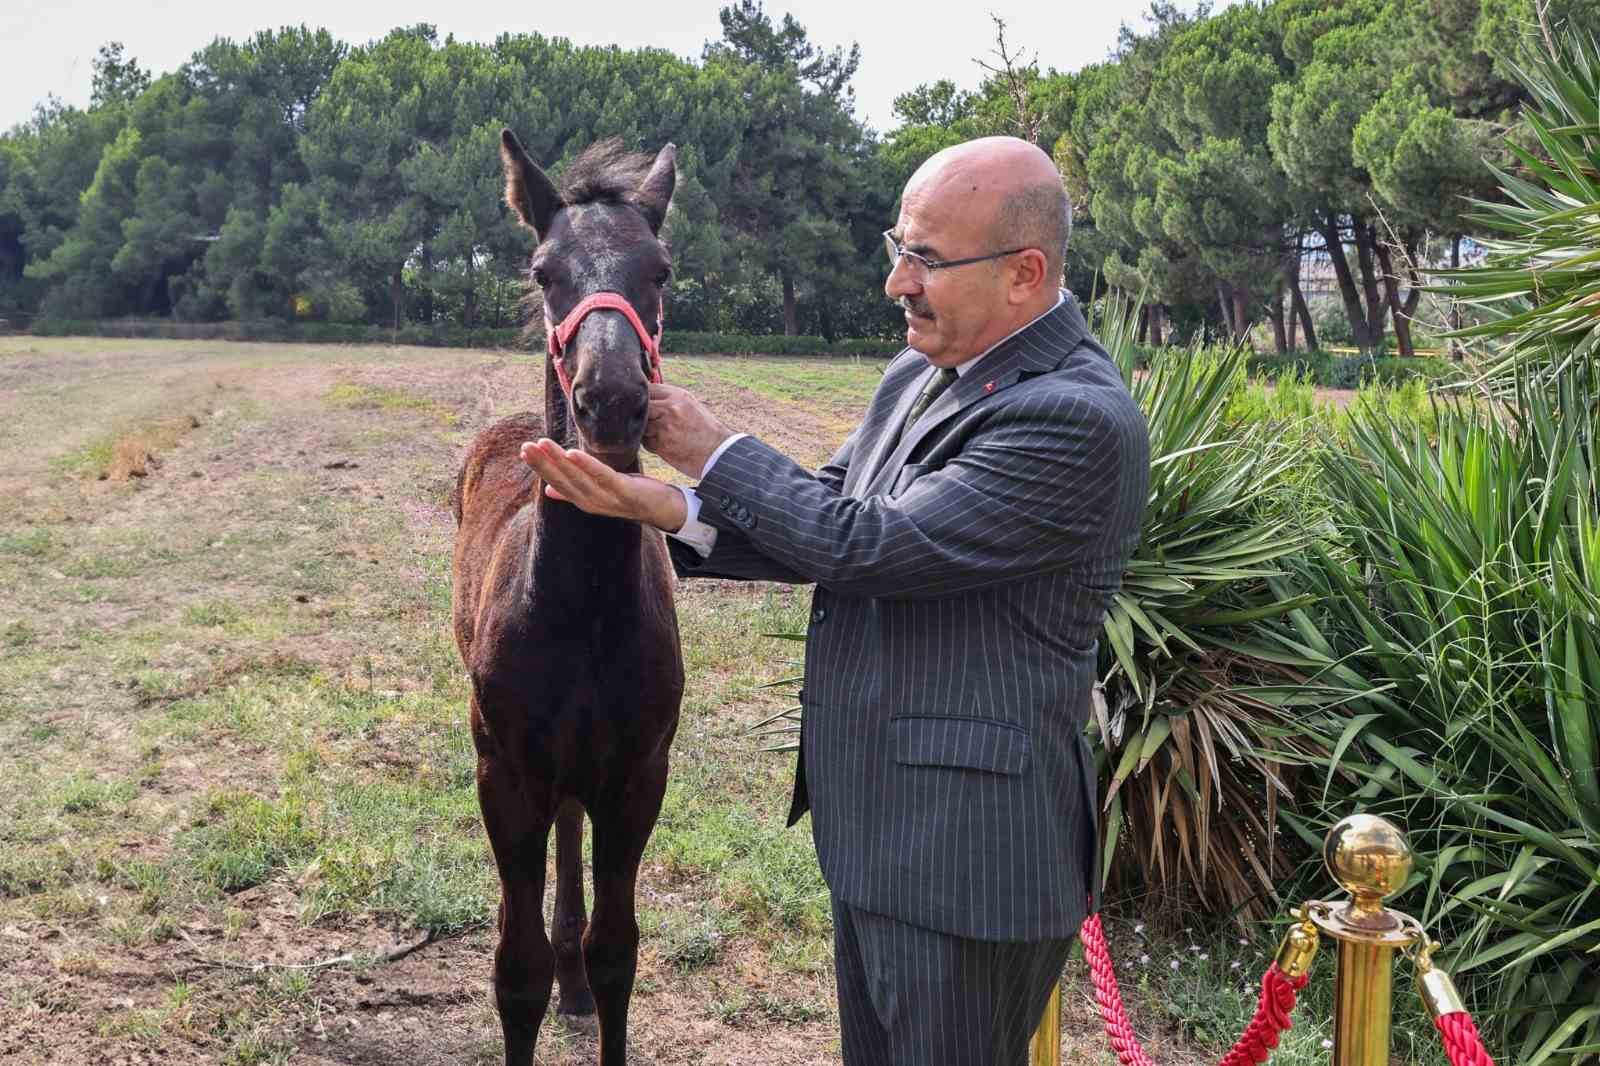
point(236, 815)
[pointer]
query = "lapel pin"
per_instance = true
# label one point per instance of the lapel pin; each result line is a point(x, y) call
point(988, 386)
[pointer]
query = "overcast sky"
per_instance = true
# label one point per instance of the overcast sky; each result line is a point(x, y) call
point(47, 46)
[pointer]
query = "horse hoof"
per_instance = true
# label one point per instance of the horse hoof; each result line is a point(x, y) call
point(576, 1003)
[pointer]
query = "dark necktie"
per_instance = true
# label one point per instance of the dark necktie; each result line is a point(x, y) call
point(932, 392)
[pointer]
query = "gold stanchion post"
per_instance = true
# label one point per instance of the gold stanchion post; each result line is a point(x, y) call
point(1371, 860)
point(1045, 1050)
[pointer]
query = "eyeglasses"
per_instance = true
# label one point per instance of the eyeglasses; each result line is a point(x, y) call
point(921, 266)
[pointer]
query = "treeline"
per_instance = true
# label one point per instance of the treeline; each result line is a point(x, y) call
point(294, 177)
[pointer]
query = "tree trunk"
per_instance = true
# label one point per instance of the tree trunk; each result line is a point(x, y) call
point(1333, 241)
point(1280, 335)
point(1291, 278)
point(1297, 300)
point(1399, 309)
point(1158, 314)
point(1144, 324)
point(1413, 297)
point(1227, 310)
point(1292, 324)
point(397, 290)
point(1377, 306)
point(712, 303)
point(425, 279)
point(791, 317)
point(1241, 317)
point(1391, 298)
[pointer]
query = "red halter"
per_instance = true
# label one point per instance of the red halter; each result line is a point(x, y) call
point(559, 334)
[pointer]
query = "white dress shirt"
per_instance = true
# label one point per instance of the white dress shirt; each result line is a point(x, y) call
point(703, 538)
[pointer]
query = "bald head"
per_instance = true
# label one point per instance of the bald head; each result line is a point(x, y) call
point(1011, 181)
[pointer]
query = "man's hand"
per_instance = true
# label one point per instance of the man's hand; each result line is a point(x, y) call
point(682, 430)
point(590, 485)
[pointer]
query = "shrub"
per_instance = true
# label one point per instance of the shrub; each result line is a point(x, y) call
point(692, 343)
point(1351, 371)
point(1201, 717)
point(441, 336)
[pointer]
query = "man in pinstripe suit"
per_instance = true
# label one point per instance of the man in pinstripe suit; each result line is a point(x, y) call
point(964, 542)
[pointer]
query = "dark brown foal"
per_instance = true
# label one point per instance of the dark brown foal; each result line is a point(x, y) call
point(565, 620)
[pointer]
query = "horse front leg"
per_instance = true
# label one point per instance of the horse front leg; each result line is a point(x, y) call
point(611, 945)
point(569, 922)
point(524, 964)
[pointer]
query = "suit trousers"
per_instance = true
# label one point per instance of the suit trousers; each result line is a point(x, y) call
point(910, 996)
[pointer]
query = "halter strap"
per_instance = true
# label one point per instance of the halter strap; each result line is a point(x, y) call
point(559, 334)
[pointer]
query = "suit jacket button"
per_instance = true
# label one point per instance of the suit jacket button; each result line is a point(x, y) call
point(726, 501)
point(819, 614)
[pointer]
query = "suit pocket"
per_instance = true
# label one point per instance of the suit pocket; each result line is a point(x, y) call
point(963, 743)
point(905, 476)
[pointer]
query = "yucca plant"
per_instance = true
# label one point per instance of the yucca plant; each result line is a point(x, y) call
point(1469, 599)
point(1211, 693)
point(1540, 285)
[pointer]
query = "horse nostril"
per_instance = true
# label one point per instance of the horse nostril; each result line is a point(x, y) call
point(640, 413)
point(579, 408)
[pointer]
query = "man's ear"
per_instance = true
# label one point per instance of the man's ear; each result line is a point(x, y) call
point(655, 192)
point(531, 195)
point(1032, 275)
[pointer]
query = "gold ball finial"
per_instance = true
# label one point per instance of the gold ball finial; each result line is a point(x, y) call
point(1369, 858)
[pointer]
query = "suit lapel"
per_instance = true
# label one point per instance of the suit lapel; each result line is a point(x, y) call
point(883, 437)
point(1040, 347)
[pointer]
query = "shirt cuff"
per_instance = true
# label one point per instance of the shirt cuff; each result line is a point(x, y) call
point(711, 462)
point(695, 533)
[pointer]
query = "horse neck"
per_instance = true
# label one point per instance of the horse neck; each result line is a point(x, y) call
point(581, 558)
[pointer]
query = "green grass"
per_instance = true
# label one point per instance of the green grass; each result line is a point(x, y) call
point(82, 794)
point(802, 382)
point(32, 543)
point(354, 396)
point(86, 459)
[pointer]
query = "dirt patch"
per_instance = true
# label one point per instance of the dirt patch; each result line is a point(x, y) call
point(137, 453)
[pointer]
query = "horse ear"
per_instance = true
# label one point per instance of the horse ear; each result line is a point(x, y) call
point(530, 194)
point(655, 192)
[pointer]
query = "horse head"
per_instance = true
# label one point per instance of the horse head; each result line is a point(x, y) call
point(601, 267)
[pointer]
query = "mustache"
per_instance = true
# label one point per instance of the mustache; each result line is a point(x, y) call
point(915, 307)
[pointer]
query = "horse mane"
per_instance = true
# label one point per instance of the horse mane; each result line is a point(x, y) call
point(605, 172)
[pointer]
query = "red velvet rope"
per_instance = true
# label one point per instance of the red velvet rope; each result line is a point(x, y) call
point(1278, 994)
point(1461, 1040)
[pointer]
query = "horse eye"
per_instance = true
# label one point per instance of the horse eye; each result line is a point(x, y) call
point(541, 279)
point(662, 278)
